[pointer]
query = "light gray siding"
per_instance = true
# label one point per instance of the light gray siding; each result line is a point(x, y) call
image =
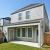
point(1, 22)
point(35, 13)
point(5, 30)
point(46, 20)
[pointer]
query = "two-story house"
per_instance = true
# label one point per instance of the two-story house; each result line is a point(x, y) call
point(28, 24)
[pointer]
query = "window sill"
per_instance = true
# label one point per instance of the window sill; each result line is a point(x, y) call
point(23, 37)
point(18, 37)
point(29, 37)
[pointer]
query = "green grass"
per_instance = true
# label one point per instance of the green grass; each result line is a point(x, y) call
point(11, 46)
point(47, 47)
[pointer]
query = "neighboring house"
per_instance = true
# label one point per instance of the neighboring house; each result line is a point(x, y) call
point(49, 26)
point(4, 21)
point(28, 24)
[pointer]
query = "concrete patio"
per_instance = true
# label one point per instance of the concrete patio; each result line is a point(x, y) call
point(25, 43)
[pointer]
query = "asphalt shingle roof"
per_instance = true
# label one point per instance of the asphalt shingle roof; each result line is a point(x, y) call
point(27, 7)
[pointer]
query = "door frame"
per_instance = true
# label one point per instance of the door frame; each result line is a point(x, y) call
point(9, 34)
point(35, 34)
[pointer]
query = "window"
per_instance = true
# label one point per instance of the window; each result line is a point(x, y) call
point(19, 16)
point(18, 32)
point(27, 14)
point(23, 32)
point(37, 32)
point(30, 32)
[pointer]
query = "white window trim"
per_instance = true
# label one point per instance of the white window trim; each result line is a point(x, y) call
point(13, 33)
point(18, 16)
point(32, 33)
point(25, 32)
point(25, 15)
point(16, 33)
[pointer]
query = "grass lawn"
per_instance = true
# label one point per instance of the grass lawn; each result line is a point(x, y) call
point(11, 46)
point(46, 47)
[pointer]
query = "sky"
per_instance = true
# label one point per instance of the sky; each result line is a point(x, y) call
point(9, 6)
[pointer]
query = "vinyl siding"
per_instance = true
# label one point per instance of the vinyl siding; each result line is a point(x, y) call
point(35, 13)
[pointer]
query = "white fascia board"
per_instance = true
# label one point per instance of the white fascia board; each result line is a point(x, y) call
point(24, 25)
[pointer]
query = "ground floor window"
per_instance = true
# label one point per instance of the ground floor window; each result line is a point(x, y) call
point(23, 32)
point(18, 32)
point(29, 32)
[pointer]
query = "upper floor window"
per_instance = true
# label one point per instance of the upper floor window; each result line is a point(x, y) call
point(19, 16)
point(27, 14)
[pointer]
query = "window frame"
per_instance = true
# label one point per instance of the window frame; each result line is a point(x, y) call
point(27, 15)
point(16, 33)
point(27, 33)
point(19, 16)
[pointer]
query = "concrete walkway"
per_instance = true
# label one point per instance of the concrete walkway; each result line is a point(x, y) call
point(25, 43)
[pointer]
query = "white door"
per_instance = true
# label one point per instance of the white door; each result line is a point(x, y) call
point(11, 34)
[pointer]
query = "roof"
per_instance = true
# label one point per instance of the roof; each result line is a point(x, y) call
point(7, 18)
point(28, 7)
point(24, 22)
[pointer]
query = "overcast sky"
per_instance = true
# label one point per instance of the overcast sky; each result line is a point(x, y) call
point(9, 6)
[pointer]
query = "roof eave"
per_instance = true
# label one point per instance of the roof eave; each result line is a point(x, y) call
point(27, 8)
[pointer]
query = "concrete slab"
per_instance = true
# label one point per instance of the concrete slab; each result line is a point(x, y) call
point(25, 43)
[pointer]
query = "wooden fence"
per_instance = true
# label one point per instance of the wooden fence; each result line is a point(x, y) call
point(1, 34)
point(47, 38)
point(1, 37)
